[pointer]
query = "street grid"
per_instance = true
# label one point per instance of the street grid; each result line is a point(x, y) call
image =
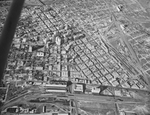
point(91, 46)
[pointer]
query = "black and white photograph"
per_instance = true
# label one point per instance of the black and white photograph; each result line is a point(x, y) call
point(74, 57)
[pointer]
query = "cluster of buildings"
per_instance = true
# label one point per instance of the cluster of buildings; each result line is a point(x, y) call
point(43, 110)
point(60, 107)
point(60, 42)
point(39, 56)
point(101, 22)
point(72, 40)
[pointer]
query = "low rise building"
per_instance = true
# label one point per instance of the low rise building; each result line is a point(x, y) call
point(40, 54)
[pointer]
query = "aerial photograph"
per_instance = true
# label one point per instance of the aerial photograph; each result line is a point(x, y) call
point(74, 57)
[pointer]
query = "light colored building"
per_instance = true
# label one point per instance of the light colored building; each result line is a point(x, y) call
point(30, 49)
point(40, 54)
point(95, 90)
point(37, 83)
point(39, 68)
